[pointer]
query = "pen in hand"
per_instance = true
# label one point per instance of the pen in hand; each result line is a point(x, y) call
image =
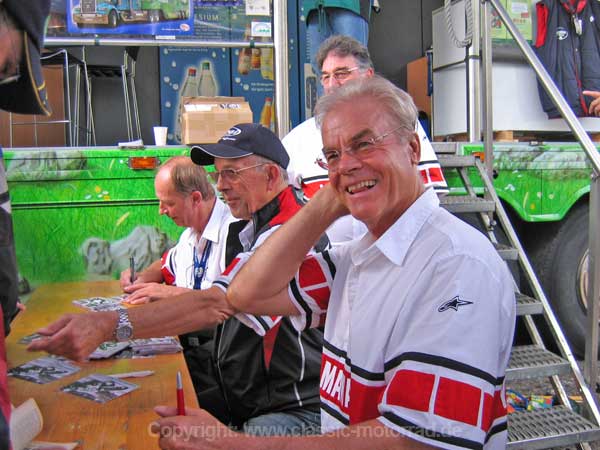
point(180, 400)
point(131, 269)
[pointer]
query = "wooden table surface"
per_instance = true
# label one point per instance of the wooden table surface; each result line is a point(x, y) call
point(119, 424)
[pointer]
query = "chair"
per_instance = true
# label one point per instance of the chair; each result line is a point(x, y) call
point(126, 72)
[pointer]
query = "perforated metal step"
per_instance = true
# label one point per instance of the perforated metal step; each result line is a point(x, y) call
point(551, 427)
point(527, 306)
point(456, 161)
point(531, 361)
point(465, 204)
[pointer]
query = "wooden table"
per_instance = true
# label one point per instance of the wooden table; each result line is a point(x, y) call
point(122, 423)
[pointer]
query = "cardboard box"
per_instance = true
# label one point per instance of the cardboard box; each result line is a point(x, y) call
point(204, 120)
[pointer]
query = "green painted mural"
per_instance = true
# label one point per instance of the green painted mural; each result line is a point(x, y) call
point(79, 214)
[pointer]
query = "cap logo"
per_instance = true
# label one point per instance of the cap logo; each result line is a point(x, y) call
point(233, 131)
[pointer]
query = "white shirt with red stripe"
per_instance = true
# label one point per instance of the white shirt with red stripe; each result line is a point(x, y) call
point(418, 332)
point(307, 171)
point(178, 262)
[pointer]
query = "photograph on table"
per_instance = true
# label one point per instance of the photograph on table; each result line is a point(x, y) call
point(99, 388)
point(44, 370)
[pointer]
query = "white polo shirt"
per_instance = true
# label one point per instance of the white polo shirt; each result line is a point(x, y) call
point(178, 262)
point(418, 332)
point(307, 171)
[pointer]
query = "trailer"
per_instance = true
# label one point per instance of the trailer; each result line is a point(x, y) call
point(114, 12)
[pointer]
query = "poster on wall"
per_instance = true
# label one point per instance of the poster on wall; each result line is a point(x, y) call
point(190, 72)
point(133, 17)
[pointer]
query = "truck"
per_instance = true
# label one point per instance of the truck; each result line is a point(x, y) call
point(114, 12)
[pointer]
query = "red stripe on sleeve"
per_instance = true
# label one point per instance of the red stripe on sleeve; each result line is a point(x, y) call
point(411, 389)
point(487, 417)
point(320, 296)
point(231, 266)
point(168, 277)
point(458, 401)
point(493, 408)
point(310, 273)
point(364, 402)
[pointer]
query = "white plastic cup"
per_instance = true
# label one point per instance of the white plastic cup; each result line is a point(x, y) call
point(160, 136)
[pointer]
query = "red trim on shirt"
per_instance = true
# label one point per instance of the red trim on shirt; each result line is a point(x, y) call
point(458, 401)
point(168, 277)
point(231, 266)
point(313, 187)
point(364, 402)
point(269, 343)
point(288, 206)
point(493, 408)
point(411, 389)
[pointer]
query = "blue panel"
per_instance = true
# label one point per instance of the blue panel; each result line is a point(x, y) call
point(175, 65)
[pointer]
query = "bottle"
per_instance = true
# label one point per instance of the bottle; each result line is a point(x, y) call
point(245, 57)
point(189, 89)
point(255, 59)
point(266, 63)
point(265, 114)
point(207, 86)
point(190, 85)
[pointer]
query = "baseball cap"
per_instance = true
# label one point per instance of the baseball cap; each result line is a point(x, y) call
point(241, 140)
point(27, 95)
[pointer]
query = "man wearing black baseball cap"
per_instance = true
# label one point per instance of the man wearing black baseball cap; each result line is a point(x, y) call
point(251, 175)
point(22, 86)
point(242, 140)
point(268, 372)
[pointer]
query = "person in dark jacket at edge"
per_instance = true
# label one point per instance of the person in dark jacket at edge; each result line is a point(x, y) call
point(23, 91)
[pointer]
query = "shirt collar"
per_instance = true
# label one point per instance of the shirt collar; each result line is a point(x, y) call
point(397, 239)
point(212, 228)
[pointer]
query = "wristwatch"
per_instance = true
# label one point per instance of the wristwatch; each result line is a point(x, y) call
point(124, 329)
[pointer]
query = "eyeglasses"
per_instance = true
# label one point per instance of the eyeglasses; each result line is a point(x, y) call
point(358, 149)
point(339, 75)
point(230, 175)
point(8, 26)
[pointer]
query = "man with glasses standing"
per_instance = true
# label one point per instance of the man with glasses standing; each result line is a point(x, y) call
point(267, 370)
point(341, 59)
point(22, 90)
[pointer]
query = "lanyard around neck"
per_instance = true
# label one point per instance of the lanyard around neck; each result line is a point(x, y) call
point(200, 266)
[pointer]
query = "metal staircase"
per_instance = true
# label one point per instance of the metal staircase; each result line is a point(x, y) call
point(541, 428)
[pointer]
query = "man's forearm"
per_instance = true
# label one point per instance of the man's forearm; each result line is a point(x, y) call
point(192, 311)
point(270, 268)
point(152, 273)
